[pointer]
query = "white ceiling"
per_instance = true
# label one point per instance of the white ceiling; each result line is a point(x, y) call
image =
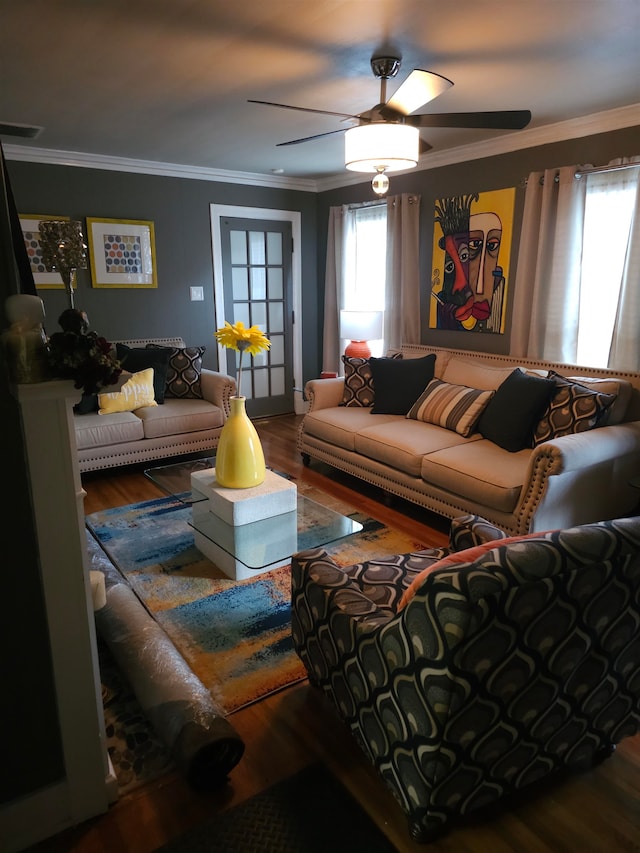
point(168, 80)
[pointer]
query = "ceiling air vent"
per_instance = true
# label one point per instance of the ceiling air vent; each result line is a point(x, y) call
point(25, 131)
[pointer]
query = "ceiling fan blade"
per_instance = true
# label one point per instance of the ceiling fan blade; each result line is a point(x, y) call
point(310, 138)
point(424, 147)
point(302, 109)
point(418, 89)
point(496, 120)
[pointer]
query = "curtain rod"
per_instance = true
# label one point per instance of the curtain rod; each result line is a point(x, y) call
point(356, 205)
point(590, 170)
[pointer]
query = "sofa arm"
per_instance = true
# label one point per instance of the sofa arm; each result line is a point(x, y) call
point(217, 388)
point(324, 393)
point(579, 478)
point(583, 449)
point(467, 531)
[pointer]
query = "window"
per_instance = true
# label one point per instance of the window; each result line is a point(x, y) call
point(365, 262)
point(577, 299)
point(609, 206)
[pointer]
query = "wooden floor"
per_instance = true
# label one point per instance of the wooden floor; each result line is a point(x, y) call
point(598, 810)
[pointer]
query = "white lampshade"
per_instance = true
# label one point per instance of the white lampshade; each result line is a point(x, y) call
point(361, 325)
point(381, 145)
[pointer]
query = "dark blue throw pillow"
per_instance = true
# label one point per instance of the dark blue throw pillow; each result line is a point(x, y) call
point(513, 412)
point(133, 360)
point(398, 382)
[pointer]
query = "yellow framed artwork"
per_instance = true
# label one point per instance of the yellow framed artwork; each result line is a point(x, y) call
point(122, 253)
point(29, 224)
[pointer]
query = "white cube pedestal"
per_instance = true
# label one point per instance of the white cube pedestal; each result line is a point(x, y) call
point(245, 531)
point(241, 506)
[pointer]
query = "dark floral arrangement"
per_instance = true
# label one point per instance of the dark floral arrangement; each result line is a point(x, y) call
point(81, 355)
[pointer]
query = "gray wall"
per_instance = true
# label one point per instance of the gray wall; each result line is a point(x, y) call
point(492, 173)
point(179, 209)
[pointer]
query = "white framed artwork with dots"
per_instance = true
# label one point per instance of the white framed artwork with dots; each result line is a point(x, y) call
point(122, 253)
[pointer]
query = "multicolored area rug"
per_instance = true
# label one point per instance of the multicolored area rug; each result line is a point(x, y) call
point(235, 635)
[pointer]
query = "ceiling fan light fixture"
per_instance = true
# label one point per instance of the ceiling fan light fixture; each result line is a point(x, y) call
point(381, 147)
point(380, 183)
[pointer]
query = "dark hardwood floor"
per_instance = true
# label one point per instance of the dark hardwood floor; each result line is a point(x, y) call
point(598, 810)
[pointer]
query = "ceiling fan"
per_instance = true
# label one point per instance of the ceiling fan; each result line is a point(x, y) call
point(418, 89)
point(386, 137)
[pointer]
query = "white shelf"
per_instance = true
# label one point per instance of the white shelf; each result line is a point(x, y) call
point(57, 497)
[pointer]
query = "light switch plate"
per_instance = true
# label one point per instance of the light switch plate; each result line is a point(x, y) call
point(197, 294)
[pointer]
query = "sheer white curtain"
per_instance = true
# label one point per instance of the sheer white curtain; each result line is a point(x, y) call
point(625, 346)
point(365, 241)
point(547, 284)
point(401, 299)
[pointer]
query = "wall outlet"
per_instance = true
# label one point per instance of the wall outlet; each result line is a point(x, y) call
point(197, 294)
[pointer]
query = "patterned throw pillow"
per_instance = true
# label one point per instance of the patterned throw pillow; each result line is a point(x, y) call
point(454, 407)
point(358, 382)
point(573, 408)
point(183, 371)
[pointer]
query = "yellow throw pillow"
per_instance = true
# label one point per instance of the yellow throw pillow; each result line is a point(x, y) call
point(136, 392)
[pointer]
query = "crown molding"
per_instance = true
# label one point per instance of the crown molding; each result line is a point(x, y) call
point(602, 122)
point(32, 154)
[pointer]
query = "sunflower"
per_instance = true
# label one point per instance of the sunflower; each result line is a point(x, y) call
point(242, 339)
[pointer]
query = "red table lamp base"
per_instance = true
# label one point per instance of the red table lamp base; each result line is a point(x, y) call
point(358, 349)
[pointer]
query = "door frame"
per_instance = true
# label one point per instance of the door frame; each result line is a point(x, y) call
point(217, 212)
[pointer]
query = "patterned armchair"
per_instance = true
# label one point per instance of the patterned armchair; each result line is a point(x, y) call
point(470, 677)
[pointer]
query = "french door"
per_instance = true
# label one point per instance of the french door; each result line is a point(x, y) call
point(257, 290)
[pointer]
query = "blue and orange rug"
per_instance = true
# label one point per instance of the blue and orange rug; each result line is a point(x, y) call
point(235, 635)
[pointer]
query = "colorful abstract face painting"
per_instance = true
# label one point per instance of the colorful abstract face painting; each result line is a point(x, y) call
point(470, 271)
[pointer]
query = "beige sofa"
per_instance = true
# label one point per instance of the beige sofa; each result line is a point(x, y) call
point(569, 480)
point(178, 426)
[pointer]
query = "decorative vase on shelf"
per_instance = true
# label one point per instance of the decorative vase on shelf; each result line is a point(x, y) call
point(239, 456)
point(24, 341)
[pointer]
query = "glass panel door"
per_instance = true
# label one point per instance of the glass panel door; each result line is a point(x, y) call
point(256, 267)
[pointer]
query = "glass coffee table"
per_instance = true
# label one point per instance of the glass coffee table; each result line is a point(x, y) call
point(259, 545)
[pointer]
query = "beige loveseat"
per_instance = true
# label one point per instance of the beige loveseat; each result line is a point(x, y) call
point(178, 426)
point(569, 480)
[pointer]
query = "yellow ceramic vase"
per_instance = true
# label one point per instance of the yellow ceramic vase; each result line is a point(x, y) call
point(239, 456)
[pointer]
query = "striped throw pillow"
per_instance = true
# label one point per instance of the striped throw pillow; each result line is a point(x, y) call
point(454, 407)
